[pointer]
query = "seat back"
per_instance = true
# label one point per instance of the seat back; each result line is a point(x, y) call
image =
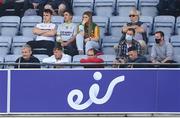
point(116, 24)
point(1, 61)
point(5, 44)
point(165, 24)
point(149, 23)
point(77, 19)
point(28, 23)
point(104, 7)
point(80, 6)
point(18, 42)
point(57, 20)
point(148, 7)
point(10, 59)
point(177, 27)
point(76, 59)
point(124, 6)
point(108, 59)
point(108, 44)
point(9, 25)
point(102, 22)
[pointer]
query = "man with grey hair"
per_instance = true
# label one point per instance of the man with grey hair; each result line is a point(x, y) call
point(27, 57)
point(140, 28)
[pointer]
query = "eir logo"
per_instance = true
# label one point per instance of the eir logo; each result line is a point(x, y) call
point(93, 93)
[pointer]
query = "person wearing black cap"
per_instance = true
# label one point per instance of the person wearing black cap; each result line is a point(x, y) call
point(134, 57)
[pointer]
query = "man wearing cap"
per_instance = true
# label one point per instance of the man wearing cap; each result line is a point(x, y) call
point(134, 57)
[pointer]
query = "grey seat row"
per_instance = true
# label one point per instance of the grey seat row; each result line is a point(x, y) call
point(14, 25)
point(115, 7)
point(76, 59)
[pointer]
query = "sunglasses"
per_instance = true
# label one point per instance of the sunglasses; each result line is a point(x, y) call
point(132, 15)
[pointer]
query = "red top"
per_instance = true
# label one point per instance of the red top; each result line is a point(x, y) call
point(92, 60)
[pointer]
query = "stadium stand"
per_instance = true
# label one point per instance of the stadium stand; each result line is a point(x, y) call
point(110, 15)
point(149, 22)
point(76, 19)
point(5, 44)
point(1, 61)
point(116, 24)
point(177, 26)
point(28, 23)
point(108, 59)
point(9, 25)
point(165, 24)
point(175, 40)
point(57, 20)
point(108, 44)
point(77, 58)
point(148, 7)
point(124, 6)
point(18, 42)
point(104, 7)
point(79, 6)
point(102, 22)
point(10, 59)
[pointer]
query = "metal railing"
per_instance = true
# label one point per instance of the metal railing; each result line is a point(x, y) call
point(100, 65)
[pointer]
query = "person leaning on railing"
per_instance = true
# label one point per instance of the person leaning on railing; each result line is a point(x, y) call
point(58, 57)
point(162, 51)
point(27, 57)
point(92, 58)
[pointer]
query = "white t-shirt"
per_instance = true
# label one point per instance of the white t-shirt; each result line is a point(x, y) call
point(65, 59)
point(45, 26)
point(67, 30)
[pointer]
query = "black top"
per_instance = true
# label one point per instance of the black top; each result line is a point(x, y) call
point(139, 59)
point(31, 60)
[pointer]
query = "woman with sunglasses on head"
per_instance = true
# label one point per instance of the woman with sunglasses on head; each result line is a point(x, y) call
point(88, 34)
point(140, 28)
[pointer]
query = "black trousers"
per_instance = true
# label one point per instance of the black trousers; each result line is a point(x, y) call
point(71, 50)
point(48, 45)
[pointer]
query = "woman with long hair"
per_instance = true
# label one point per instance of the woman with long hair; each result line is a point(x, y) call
point(88, 34)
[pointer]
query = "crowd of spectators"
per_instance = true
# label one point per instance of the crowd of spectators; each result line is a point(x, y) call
point(63, 41)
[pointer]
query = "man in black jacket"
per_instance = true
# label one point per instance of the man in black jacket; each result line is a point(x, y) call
point(27, 57)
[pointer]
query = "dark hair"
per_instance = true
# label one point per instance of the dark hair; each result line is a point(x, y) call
point(132, 48)
point(69, 11)
point(48, 11)
point(160, 32)
point(57, 46)
point(132, 29)
point(94, 50)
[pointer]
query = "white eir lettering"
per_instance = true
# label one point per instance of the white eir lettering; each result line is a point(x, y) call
point(93, 93)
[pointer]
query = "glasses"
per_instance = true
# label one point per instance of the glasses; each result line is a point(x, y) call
point(90, 55)
point(132, 15)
